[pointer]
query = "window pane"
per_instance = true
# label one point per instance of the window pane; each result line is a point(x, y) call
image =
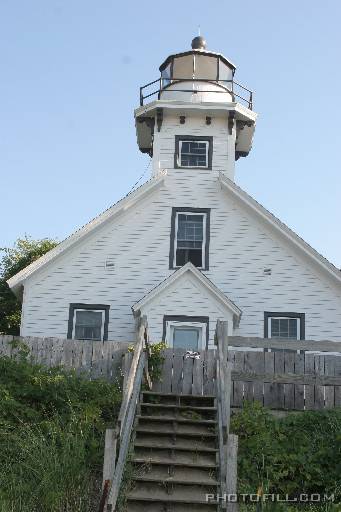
point(88, 325)
point(284, 328)
point(193, 153)
point(186, 337)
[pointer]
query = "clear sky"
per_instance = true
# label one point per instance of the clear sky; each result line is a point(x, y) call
point(69, 79)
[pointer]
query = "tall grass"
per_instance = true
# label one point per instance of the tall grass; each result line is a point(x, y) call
point(52, 426)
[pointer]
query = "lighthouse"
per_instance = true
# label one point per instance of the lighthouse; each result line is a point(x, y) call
point(197, 102)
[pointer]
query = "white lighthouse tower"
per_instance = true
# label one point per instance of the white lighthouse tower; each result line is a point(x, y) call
point(197, 103)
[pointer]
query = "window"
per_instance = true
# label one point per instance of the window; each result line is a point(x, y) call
point(193, 152)
point(189, 333)
point(284, 325)
point(88, 322)
point(190, 237)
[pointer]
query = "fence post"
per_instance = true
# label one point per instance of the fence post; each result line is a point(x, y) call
point(231, 472)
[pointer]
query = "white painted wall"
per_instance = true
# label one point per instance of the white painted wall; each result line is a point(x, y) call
point(241, 247)
point(195, 125)
point(186, 297)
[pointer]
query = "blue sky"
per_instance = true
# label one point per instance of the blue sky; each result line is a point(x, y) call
point(70, 73)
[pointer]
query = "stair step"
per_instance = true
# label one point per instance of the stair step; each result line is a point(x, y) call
point(173, 480)
point(159, 393)
point(175, 473)
point(136, 506)
point(154, 455)
point(177, 444)
point(192, 412)
point(178, 419)
point(150, 462)
point(151, 491)
point(180, 407)
point(188, 431)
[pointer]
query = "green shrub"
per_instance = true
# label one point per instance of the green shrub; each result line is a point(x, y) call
point(300, 453)
point(52, 425)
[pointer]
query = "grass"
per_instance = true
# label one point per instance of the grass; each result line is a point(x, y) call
point(52, 426)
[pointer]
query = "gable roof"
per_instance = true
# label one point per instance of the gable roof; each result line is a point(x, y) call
point(122, 205)
point(280, 227)
point(189, 268)
point(132, 198)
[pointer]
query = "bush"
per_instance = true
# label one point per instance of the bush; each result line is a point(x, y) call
point(52, 425)
point(300, 453)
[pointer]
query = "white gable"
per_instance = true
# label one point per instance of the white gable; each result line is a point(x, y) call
point(186, 292)
point(136, 242)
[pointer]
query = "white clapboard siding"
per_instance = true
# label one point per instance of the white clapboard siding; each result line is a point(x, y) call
point(137, 243)
point(195, 125)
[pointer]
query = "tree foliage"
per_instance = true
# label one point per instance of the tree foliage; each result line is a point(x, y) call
point(25, 251)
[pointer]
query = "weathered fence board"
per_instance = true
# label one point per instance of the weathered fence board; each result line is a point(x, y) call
point(92, 359)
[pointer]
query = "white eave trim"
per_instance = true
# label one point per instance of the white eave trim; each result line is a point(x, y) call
point(282, 228)
point(124, 204)
point(208, 106)
point(205, 281)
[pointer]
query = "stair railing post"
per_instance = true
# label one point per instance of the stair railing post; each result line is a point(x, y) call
point(231, 473)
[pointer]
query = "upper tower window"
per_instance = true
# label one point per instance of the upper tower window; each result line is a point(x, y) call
point(193, 152)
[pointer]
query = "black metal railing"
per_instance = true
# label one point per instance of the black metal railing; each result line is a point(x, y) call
point(237, 90)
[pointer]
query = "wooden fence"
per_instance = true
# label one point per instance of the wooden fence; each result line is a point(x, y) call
point(92, 359)
point(282, 379)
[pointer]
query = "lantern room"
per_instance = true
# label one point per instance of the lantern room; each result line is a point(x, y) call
point(197, 75)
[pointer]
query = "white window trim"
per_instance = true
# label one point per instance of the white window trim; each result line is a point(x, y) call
point(298, 320)
point(203, 245)
point(193, 166)
point(97, 311)
point(197, 325)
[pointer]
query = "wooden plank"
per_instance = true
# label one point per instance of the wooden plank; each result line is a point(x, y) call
point(337, 389)
point(280, 343)
point(86, 363)
point(329, 370)
point(238, 387)
point(187, 376)
point(231, 473)
point(167, 371)
point(286, 378)
point(110, 446)
point(178, 362)
point(209, 383)
point(309, 369)
point(198, 378)
point(248, 385)
point(319, 389)
point(289, 389)
point(269, 367)
point(278, 389)
point(299, 388)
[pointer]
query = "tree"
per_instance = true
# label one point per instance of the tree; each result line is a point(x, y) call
point(25, 251)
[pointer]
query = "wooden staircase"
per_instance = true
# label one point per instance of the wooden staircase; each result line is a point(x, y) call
point(175, 458)
point(183, 453)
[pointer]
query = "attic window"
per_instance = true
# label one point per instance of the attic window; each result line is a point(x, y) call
point(193, 152)
point(88, 322)
point(190, 237)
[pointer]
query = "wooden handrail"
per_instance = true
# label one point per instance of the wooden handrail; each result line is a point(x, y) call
point(120, 437)
point(228, 443)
